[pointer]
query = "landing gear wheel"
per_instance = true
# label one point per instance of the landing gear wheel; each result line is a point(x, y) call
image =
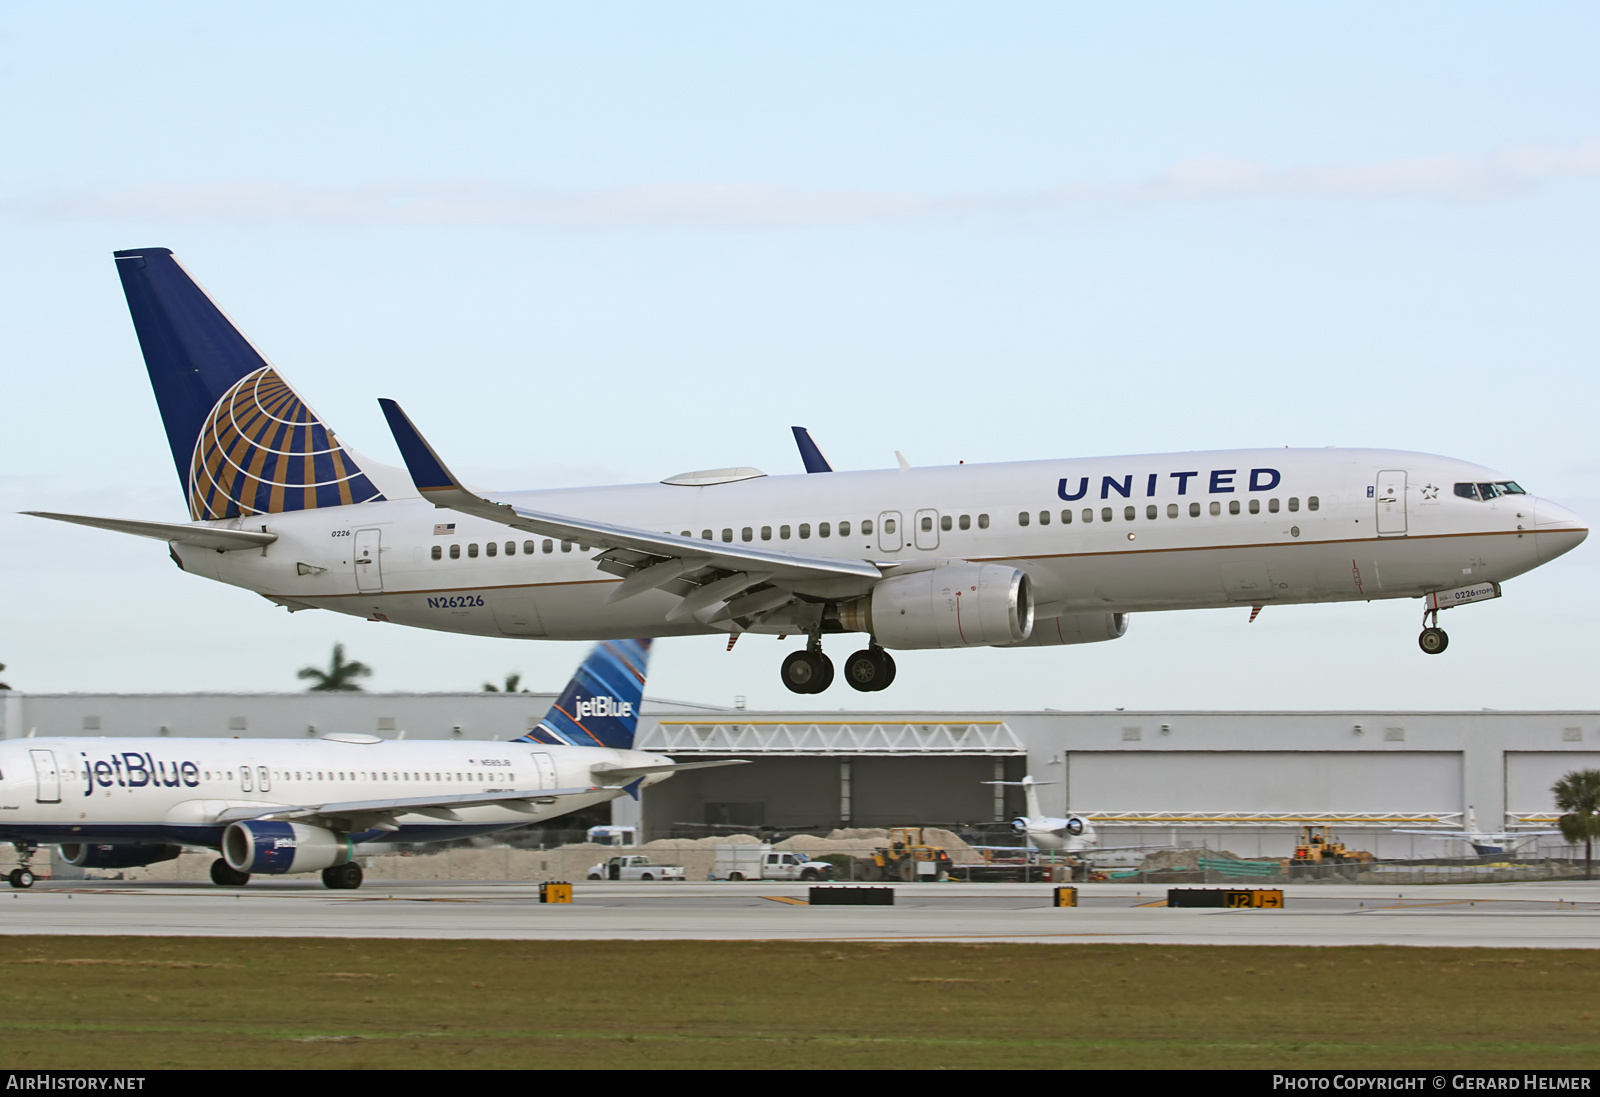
point(20, 878)
point(345, 877)
point(807, 672)
point(1433, 640)
point(225, 875)
point(869, 670)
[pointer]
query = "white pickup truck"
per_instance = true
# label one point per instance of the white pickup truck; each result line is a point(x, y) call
point(745, 861)
point(634, 866)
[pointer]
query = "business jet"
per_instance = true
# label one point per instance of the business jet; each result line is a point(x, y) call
point(1485, 843)
point(1070, 833)
point(286, 806)
point(1028, 554)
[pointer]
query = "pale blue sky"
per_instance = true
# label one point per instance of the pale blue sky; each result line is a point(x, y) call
point(614, 243)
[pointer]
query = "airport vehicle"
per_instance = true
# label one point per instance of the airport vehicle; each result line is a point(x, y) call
point(1072, 832)
point(634, 866)
point(613, 836)
point(747, 861)
point(1317, 847)
point(1026, 554)
point(278, 806)
point(906, 858)
point(1485, 843)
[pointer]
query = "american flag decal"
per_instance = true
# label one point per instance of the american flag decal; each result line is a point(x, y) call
point(443, 529)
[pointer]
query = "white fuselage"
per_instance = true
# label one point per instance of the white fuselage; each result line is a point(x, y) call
point(1154, 532)
point(174, 790)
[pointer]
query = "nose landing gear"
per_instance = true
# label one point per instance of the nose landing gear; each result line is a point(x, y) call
point(22, 876)
point(1433, 639)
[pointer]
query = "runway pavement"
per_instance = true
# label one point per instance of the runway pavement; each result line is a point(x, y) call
point(1541, 915)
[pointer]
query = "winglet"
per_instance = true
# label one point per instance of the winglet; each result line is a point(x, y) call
point(427, 471)
point(810, 453)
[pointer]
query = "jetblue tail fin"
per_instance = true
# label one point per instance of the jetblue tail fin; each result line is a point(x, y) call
point(600, 706)
point(810, 452)
point(242, 440)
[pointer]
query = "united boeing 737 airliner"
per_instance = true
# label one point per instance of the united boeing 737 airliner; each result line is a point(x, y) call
point(1036, 553)
point(280, 806)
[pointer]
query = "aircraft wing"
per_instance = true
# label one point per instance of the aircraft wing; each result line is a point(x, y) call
point(199, 535)
point(366, 814)
point(613, 775)
point(645, 559)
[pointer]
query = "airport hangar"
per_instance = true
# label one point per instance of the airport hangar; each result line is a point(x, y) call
point(1242, 781)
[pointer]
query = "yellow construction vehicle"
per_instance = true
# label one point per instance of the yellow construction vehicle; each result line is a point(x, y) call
point(1316, 848)
point(906, 858)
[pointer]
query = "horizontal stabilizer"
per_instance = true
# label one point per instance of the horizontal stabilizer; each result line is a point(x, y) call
point(201, 536)
point(615, 775)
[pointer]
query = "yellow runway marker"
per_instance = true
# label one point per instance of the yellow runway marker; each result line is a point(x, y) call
point(1157, 903)
point(786, 899)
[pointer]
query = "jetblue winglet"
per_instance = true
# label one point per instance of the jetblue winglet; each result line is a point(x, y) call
point(427, 471)
point(810, 453)
point(600, 706)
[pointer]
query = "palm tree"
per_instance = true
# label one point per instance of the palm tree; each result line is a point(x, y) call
point(1578, 796)
point(512, 681)
point(340, 675)
point(2, 684)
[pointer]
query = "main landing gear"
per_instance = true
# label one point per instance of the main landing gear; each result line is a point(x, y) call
point(345, 877)
point(225, 875)
point(22, 876)
point(810, 671)
point(1433, 639)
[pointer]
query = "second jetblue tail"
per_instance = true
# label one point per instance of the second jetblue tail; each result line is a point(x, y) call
point(242, 440)
point(600, 706)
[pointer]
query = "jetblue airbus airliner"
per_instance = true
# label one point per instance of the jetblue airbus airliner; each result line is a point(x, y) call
point(1033, 554)
point(280, 806)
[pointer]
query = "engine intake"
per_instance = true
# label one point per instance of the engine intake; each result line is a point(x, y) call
point(93, 855)
point(271, 847)
point(964, 605)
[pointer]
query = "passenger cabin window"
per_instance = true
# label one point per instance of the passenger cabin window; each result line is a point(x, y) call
point(1313, 503)
point(824, 529)
point(966, 521)
point(1216, 509)
point(438, 553)
point(1150, 511)
point(747, 534)
point(1233, 506)
point(511, 548)
point(1088, 514)
point(548, 546)
point(983, 521)
point(1066, 518)
point(1105, 514)
point(944, 523)
point(705, 535)
point(455, 552)
point(1172, 510)
point(888, 526)
point(1194, 510)
point(727, 535)
point(783, 533)
point(844, 528)
point(766, 533)
point(1022, 519)
point(1294, 503)
point(527, 548)
point(866, 527)
point(491, 549)
point(805, 531)
point(1255, 506)
point(472, 549)
point(566, 546)
point(1272, 506)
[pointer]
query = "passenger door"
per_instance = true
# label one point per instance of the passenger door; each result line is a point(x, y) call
point(1391, 503)
point(49, 777)
point(544, 768)
point(369, 571)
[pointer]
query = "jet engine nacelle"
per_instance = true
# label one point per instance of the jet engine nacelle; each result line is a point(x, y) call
point(94, 855)
point(1075, 628)
point(964, 605)
point(272, 847)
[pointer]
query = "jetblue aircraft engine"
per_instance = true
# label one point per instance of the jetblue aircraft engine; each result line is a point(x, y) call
point(965, 605)
point(273, 847)
point(1075, 628)
point(92, 855)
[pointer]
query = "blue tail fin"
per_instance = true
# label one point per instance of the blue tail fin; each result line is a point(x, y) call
point(242, 439)
point(600, 706)
point(810, 452)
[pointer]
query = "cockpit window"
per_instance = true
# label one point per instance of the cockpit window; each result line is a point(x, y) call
point(1489, 491)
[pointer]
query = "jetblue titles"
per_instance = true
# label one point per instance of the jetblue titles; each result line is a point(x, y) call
point(131, 770)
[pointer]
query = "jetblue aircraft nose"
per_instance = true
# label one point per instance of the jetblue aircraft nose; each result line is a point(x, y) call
point(1557, 529)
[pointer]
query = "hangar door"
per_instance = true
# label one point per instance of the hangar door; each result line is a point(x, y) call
point(1275, 781)
point(1529, 775)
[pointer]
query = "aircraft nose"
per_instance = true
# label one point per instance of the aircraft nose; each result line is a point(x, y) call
point(1557, 530)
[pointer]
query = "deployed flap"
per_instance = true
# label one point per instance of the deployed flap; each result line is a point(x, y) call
point(199, 535)
point(437, 483)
